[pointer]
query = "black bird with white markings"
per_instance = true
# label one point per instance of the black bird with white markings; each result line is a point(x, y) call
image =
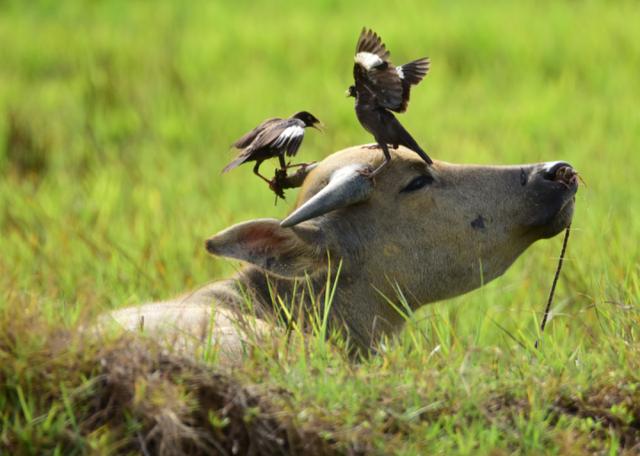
point(381, 88)
point(273, 138)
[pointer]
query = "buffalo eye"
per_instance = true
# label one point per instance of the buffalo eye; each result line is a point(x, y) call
point(417, 183)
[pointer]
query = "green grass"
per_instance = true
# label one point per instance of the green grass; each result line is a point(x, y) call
point(115, 120)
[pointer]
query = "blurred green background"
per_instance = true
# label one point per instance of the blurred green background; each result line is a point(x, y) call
point(116, 118)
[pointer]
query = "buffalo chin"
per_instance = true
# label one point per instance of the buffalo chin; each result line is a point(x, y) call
point(554, 223)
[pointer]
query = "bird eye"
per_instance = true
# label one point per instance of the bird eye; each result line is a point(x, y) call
point(417, 183)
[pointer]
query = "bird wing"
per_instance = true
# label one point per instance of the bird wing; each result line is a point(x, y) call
point(294, 142)
point(248, 138)
point(410, 74)
point(370, 49)
point(285, 136)
point(373, 69)
point(413, 72)
point(279, 135)
point(365, 91)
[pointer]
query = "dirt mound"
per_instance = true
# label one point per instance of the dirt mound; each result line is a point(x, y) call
point(181, 407)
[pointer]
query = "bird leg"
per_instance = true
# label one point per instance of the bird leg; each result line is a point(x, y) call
point(387, 159)
point(283, 165)
point(297, 165)
point(256, 171)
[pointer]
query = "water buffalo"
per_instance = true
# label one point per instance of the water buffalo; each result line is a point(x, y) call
point(428, 232)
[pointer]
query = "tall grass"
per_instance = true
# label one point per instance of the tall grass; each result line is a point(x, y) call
point(116, 119)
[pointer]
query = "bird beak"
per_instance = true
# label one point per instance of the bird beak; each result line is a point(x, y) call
point(319, 126)
point(346, 93)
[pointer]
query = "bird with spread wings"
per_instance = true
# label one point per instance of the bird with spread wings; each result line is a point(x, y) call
point(380, 88)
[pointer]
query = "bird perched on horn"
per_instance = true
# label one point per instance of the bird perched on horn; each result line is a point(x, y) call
point(381, 88)
point(273, 138)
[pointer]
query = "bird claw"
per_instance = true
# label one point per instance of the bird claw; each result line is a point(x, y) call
point(282, 180)
point(368, 173)
point(372, 146)
point(275, 184)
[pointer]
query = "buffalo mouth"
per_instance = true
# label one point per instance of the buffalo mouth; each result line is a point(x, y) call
point(560, 221)
point(553, 199)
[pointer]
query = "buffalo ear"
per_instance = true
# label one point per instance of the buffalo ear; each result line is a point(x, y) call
point(287, 252)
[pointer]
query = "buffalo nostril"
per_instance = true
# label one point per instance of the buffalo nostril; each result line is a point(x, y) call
point(561, 172)
point(566, 175)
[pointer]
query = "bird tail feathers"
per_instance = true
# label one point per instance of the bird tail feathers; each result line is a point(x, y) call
point(409, 142)
point(234, 164)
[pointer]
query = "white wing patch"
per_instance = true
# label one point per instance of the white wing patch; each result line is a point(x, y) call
point(368, 60)
point(294, 131)
point(400, 72)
